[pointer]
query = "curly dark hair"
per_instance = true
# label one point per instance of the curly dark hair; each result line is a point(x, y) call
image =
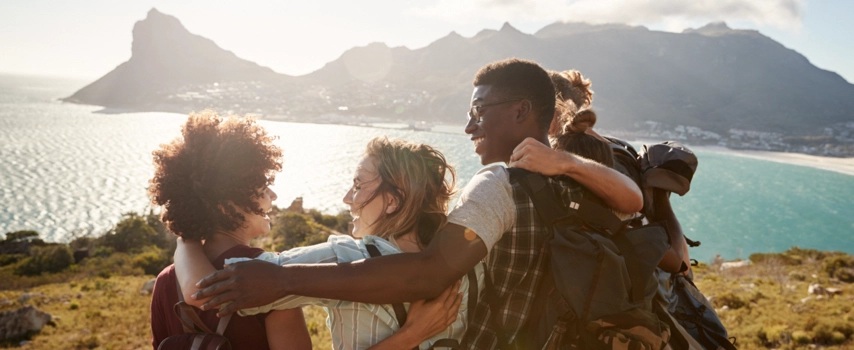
point(217, 166)
point(518, 78)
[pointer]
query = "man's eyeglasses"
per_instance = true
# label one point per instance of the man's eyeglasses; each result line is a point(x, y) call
point(475, 111)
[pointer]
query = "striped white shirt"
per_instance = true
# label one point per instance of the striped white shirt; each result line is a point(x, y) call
point(354, 325)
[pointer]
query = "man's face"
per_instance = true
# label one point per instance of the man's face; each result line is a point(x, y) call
point(492, 126)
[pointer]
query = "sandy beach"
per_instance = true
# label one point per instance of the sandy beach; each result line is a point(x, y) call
point(839, 165)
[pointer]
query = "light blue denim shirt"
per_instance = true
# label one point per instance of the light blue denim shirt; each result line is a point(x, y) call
point(354, 325)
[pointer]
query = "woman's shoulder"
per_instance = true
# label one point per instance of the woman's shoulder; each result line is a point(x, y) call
point(385, 247)
point(238, 251)
point(348, 248)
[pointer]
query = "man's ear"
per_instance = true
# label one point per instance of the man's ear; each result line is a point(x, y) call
point(525, 108)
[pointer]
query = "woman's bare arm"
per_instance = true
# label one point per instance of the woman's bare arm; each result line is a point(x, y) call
point(191, 265)
point(286, 330)
point(617, 190)
point(674, 258)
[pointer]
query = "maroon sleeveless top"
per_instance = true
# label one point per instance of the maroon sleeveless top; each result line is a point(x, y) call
point(242, 332)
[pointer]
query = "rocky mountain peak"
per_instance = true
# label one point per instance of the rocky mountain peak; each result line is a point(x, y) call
point(711, 29)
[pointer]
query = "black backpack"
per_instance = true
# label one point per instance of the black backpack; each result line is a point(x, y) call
point(599, 290)
point(671, 166)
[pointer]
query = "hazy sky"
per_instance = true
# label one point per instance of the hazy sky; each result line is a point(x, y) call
point(88, 38)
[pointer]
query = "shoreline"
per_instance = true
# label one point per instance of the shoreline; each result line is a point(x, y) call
point(839, 165)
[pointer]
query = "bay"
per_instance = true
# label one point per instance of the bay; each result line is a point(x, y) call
point(70, 170)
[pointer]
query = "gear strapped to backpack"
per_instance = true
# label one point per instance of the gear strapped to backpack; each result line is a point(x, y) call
point(670, 166)
point(400, 310)
point(694, 317)
point(196, 336)
point(598, 294)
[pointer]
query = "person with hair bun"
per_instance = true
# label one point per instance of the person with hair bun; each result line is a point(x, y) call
point(575, 139)
point(573, 116)
point(398, 200)
point(213, 184)
point(572, 93)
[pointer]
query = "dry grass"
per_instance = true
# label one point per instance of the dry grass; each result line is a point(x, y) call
point(772, 311)
point(103, 313)
point(109, 313)
point(778, 312)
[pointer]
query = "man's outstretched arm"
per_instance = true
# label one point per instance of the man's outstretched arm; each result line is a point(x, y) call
point(388, 279)
point(617, 190)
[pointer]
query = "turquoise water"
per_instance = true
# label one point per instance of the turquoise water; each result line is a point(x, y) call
point(67, 169)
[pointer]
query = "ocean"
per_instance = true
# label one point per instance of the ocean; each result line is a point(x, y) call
point(69, 170)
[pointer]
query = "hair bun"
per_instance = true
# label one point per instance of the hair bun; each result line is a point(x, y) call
point(581, 121)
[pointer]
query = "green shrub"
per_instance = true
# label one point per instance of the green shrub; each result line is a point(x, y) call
point(845, 274)
point(23, 236)
point(846, 329)
point(50, 259)
point(810, 323)
point(837, 338)
point(102, 252)
point(776, 335)
point(9, 259)
point(84, 242)
point(152, 260)
point(89, 342)
point(131, 234)
point(837, 262)
point(774, 258)
point(119, 264)
point(800, 337)
point(823, 334)
point(73, 306)
point(729, 300)
point(295, 230)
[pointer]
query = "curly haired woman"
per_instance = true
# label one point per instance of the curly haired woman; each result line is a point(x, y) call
point(213, 186)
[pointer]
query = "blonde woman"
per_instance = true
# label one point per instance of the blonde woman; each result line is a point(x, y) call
point(398, 201)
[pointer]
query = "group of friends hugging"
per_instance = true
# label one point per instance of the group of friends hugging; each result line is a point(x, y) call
point(411, 274)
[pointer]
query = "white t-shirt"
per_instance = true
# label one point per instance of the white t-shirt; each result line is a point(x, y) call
point(486, 205)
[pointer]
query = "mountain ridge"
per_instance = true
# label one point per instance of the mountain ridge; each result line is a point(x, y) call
point(713, 77)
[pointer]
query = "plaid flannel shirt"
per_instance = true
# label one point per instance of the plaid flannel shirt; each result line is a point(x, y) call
point(515, 267)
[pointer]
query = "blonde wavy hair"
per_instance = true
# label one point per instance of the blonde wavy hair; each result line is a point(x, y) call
point(420, 180)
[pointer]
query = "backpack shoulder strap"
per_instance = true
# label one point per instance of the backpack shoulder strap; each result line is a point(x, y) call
point(186, 322)
point(551, 210)
point(399, 310)
point(190, 320)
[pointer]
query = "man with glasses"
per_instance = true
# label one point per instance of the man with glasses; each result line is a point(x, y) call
point(512, 106)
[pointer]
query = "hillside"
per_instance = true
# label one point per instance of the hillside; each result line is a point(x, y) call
point(166, 59)
point(733, 87)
